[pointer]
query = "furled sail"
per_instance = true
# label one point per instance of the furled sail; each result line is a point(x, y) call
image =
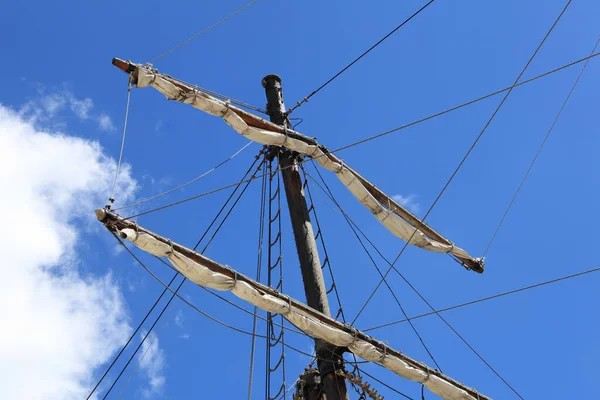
point(398, 220)
point(208, 273)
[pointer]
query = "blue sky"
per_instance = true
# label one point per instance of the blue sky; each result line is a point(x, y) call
point(543, 342)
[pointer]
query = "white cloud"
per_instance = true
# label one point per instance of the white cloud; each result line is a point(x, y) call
point(184, 336)
point(152, 362)
point(81, 107)
point(408, 202)
point(179, 318)
point(58, 324)
point(49, 105)
point(106, 123)
point(53, 103)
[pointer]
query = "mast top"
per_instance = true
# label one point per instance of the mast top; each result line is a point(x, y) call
point(269, 77)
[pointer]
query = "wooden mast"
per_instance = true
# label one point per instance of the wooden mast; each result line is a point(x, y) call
point(329, 357)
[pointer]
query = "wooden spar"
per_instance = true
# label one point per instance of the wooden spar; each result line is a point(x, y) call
point(409, 217)
point(251, 119)
point(115, 223)
point(257, 122)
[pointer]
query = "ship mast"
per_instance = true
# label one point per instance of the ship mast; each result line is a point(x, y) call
point(331, 336)
point(329, 357)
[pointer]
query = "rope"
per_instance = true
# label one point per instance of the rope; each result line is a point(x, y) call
point(174, 293)
point(433, 309)
point(139, 363)
point(261, 229)
point(195, 308)
point(203, 32)
point(467, 155)
point(468, 103)
point(381, 134)
point(359, 57)
point(328, 263)
point(538, 152)
point(386, 385)
point(322, 240)
point(481, 300)
point(238, 185)
point(228, 212)
point(225, 98)
point(348, 219)
point(189, 182)
point(131, 338)
point(111, 198)
point(145, 337)
point(231, 302)
point(273, 340)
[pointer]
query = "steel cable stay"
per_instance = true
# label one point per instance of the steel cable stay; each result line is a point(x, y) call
point(412, 287)
point(383, 134)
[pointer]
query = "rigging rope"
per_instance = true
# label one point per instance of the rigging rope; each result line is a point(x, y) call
point(195, 308)
point(231, 157)
point(380, 134)
point(350, 224)
point(467, 155)
point(131, 337)
point(141, 359)
point(145, 336)
point(111, 198)
point(319, 234)
point(425, 301)
point(328, 263)
point(272, 339)
point(481, 300)
point(225, 98)
point(386, 385)
point(538, 153)
point(358, 58)
point(261, 229)
point(231, 302)
point(203, 32)
point(174, 293)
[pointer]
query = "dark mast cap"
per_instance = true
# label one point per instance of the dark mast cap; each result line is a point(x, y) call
point(269, 77)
